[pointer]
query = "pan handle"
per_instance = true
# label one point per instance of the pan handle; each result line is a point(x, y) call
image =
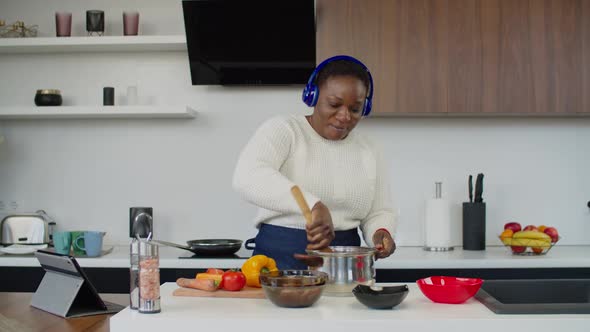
point(170, 244)
point(248, 242)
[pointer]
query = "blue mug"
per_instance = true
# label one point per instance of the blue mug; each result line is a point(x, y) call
point(92, 243)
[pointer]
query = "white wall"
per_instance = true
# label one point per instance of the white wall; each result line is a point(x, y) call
point(87, 173)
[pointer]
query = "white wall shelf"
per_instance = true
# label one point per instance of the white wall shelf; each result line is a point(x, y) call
point(96, 112)
point(93, 44)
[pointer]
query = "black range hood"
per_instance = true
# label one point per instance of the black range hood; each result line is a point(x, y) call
point(256, 42)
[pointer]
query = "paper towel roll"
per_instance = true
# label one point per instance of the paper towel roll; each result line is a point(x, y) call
point(437, 226)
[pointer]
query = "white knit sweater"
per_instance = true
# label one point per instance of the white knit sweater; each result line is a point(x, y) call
point(348, 176)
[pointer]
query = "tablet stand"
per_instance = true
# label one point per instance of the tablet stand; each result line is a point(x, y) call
point(68, 295)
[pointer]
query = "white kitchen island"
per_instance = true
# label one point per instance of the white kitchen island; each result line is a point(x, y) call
point(342, 314)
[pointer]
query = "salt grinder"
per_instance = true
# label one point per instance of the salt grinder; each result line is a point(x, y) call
point(149, 277)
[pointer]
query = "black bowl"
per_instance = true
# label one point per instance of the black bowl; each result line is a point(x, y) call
point(386, 298)
point(48, 97)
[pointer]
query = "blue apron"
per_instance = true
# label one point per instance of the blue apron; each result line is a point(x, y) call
point(281, 243)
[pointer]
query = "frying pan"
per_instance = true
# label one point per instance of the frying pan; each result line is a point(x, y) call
point(207, 246)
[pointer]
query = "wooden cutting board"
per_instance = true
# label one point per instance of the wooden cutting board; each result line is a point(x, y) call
point(245, 293)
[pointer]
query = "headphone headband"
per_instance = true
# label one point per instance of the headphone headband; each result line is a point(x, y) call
point(311, 91)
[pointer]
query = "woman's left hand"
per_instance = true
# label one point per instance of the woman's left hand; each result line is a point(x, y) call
point(383, 243)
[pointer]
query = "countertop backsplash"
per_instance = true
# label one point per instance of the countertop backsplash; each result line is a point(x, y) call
point(87, 173)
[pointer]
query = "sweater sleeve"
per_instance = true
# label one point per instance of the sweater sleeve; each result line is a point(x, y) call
point(257, 177)
point(381, 214)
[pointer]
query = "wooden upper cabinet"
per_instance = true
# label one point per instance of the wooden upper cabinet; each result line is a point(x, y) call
point(532, 56)
point(359, 29)
point(465, 56)
point(421, 57)
point(585, 57)
point(402, 43)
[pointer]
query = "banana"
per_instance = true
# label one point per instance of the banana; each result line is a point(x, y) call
point(531, 235)
point(541, 243)
point(533, 239)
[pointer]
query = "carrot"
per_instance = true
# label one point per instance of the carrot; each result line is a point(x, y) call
point(202, 284)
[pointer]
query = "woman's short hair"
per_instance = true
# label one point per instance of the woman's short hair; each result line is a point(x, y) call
point(343, 68)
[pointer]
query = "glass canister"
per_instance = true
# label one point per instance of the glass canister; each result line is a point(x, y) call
point(149, 277)
point(134, 274)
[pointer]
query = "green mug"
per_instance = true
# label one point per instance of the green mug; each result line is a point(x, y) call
point(77, 251)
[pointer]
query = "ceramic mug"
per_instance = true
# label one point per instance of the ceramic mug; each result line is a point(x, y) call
point(92, 244)
point(77, 250)
point(62, 242)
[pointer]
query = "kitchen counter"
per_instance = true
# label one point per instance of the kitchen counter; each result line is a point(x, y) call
point(343, 314)
point(110, 273)
point(16, 314)
point(404, 258)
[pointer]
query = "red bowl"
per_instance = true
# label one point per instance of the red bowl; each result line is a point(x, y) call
point(443, 289)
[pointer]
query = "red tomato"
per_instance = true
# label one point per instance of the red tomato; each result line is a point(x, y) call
point(214, 271)
point(233, 280)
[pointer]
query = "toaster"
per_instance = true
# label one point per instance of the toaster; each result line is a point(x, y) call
point(26, 228)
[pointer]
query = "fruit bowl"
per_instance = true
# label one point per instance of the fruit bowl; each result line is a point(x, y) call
point(527, 247)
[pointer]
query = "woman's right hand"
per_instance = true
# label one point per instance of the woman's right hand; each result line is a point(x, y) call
point(320, 232)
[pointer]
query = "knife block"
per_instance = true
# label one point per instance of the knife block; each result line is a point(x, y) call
point(474, 226)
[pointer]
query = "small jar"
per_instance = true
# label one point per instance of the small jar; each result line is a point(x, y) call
point(149, 278)
point(48, 97)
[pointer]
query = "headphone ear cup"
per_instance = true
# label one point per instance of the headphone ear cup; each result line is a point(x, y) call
point(368, 106)
point(314, 95)
point(310, 95)
point(306, 95)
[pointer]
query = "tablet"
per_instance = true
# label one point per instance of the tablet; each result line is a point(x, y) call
point(65, 289)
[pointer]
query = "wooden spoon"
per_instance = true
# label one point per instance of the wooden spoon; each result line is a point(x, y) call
point(298, 195)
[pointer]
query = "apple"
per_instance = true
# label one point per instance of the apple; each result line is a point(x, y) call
point(514, 226)
point(552, 231)
point(537, 251)
point(530, 228)
point(518, 249)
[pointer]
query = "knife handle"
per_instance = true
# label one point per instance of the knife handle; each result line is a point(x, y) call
point(479, 188)
point(298, 195)
point(470, 188)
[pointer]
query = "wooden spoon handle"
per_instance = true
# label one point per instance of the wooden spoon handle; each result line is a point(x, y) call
point(296, 192)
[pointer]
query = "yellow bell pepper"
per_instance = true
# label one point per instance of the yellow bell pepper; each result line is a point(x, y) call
point(256, 265)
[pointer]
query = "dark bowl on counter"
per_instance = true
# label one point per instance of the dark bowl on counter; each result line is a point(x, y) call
point(380, 297)
point(293, 288)
point(48, 97)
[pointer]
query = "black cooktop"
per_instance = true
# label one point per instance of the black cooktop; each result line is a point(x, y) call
point(242, 253)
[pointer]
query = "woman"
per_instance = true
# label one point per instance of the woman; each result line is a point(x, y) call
point(340, 172)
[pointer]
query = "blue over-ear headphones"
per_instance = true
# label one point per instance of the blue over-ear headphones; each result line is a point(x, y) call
point(312, 92)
